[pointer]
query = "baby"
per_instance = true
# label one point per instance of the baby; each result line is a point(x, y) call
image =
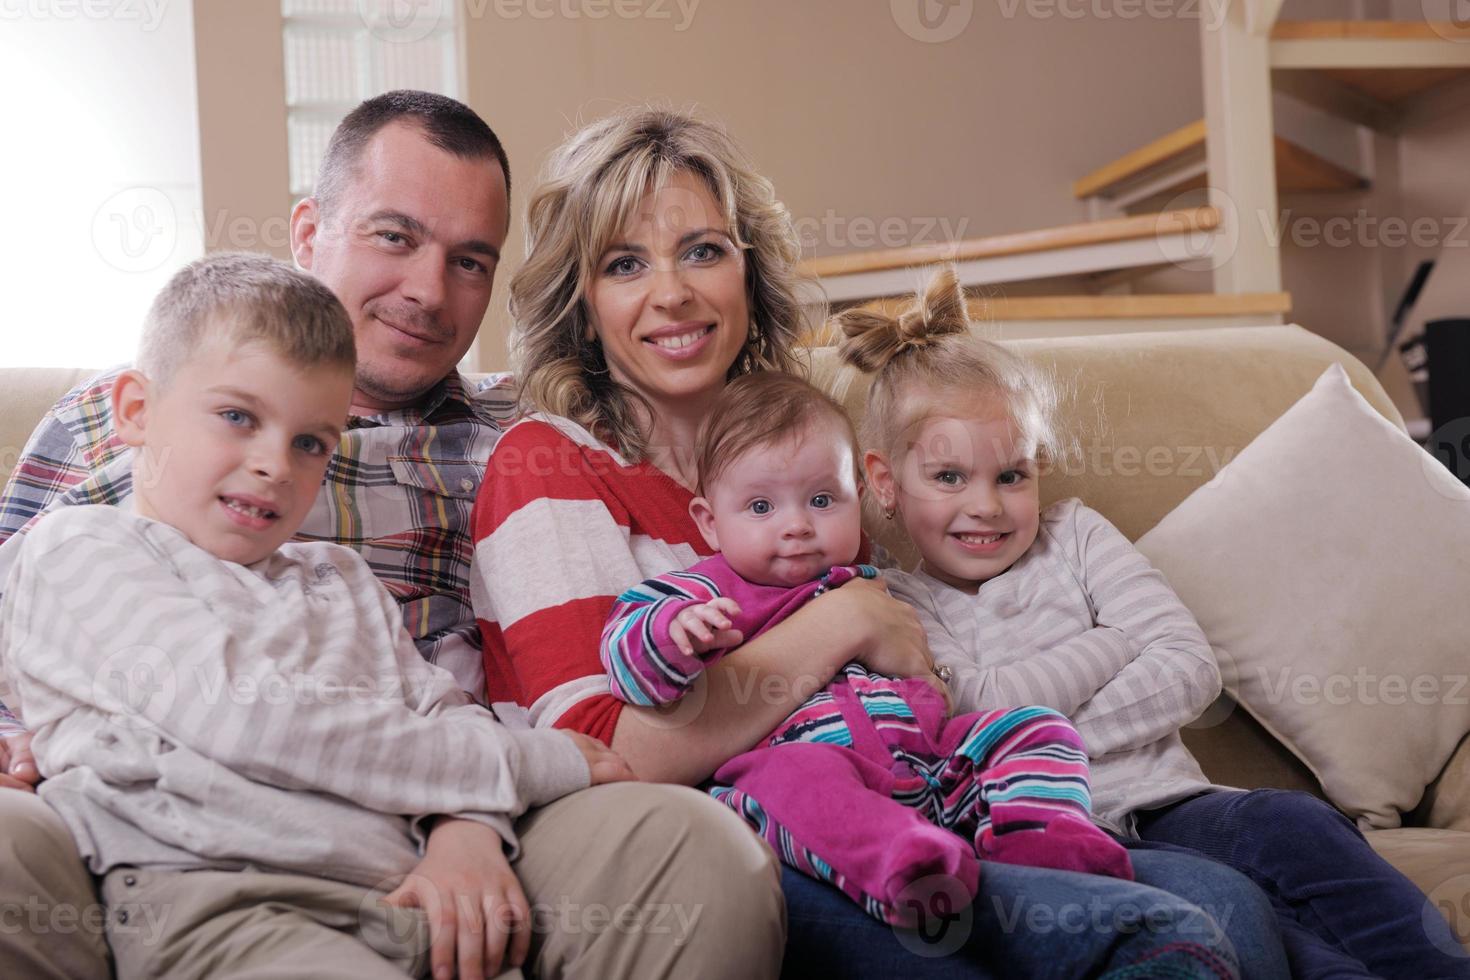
point(209, 698)
point(869, 784)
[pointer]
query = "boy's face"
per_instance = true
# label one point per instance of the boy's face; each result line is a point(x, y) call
point(233, 450)
point(783, 514)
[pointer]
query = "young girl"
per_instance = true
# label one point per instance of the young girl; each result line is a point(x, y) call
point(778, 477)
point(1056, 607)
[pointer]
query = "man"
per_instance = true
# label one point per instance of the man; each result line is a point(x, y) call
point(406, 227)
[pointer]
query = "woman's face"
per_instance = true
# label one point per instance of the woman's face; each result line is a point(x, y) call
point(667, 300)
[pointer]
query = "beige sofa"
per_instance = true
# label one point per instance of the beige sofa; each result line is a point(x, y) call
point(1201, 394)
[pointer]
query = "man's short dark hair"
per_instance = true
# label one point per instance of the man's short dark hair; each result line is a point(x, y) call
point(446, 123)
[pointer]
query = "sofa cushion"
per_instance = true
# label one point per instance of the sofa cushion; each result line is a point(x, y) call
point(26, 394)
point(1326, 564)
point(1438, 861)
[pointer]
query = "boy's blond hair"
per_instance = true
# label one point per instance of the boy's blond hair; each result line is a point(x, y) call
point(240, 298)
point(761, 409)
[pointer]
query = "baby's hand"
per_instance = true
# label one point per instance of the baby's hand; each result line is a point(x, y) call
point(706, 627)
point(605, 764)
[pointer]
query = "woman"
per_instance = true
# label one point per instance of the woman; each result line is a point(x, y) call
point(659, 267)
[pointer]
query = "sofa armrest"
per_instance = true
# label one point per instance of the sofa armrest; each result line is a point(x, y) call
point(25, 396)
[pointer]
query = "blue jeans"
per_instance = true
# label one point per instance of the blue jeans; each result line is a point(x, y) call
point(1343, 910)
point(1242, 910)
point(1025, 922)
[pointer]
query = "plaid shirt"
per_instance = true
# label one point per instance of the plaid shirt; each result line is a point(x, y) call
point(398, 490)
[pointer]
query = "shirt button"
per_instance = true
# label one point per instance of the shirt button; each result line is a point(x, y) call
point(123, 917)
point(467, 484)
point(130, 880)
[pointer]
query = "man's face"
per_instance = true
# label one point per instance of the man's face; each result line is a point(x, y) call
point(410, 247)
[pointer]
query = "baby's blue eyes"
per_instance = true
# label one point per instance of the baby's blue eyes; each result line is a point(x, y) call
point(310, 444)
point(760, 508)
point(234, 416)
point(822, 501)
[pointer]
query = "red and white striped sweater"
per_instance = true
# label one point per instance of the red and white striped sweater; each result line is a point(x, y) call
point(562, 526)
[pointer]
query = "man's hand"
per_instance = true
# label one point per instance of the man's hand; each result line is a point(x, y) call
point(478, 916)
point(17, 765)
point(606, 765)
point(706, 627)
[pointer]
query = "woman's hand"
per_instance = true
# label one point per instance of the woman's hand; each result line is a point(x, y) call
point(472, 899)
point(885, 634)
point(606, 765)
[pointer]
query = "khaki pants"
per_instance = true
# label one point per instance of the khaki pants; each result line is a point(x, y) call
point(624, 880)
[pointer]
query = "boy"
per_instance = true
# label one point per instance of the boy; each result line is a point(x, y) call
point(208, 698)
point(862, 785)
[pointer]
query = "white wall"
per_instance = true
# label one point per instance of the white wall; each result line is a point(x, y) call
point(100, 172)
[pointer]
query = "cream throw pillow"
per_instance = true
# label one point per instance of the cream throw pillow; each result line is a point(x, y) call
point(1329, 565)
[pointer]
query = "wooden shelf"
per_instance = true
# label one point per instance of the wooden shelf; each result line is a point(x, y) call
point(1391, 86)
point(1168, 305)
point(1297, 168)
point(1369, 30)
point(1202, 219)
point(1181, 142)
point(1370, 44)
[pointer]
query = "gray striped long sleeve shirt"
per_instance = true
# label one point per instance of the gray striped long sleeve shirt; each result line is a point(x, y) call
point(195, 713)
point(1084, 624)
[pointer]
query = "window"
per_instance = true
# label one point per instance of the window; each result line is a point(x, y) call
point(339, 52)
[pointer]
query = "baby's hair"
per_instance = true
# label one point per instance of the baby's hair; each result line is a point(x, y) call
point(760, 409)
point(927, 359)
point(240, 298)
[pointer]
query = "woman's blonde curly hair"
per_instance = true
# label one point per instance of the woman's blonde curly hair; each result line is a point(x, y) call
point(590, 190)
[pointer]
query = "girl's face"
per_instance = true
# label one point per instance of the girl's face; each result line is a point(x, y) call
point(966, 491)
point(668, 300)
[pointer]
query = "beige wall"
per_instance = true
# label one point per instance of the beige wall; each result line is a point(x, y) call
point(239, 62)
point(856, 122)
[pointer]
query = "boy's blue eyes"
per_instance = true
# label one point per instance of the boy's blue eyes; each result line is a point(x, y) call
point(822, 501)
point(760, 507)
point(307, 444)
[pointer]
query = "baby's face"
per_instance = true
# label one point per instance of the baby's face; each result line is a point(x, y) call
point(783, 514)
point(233, 450)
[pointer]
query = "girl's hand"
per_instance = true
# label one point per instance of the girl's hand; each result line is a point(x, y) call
point(884, 633)
point(606, 765)
point(706, 627)
point(478, 915)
